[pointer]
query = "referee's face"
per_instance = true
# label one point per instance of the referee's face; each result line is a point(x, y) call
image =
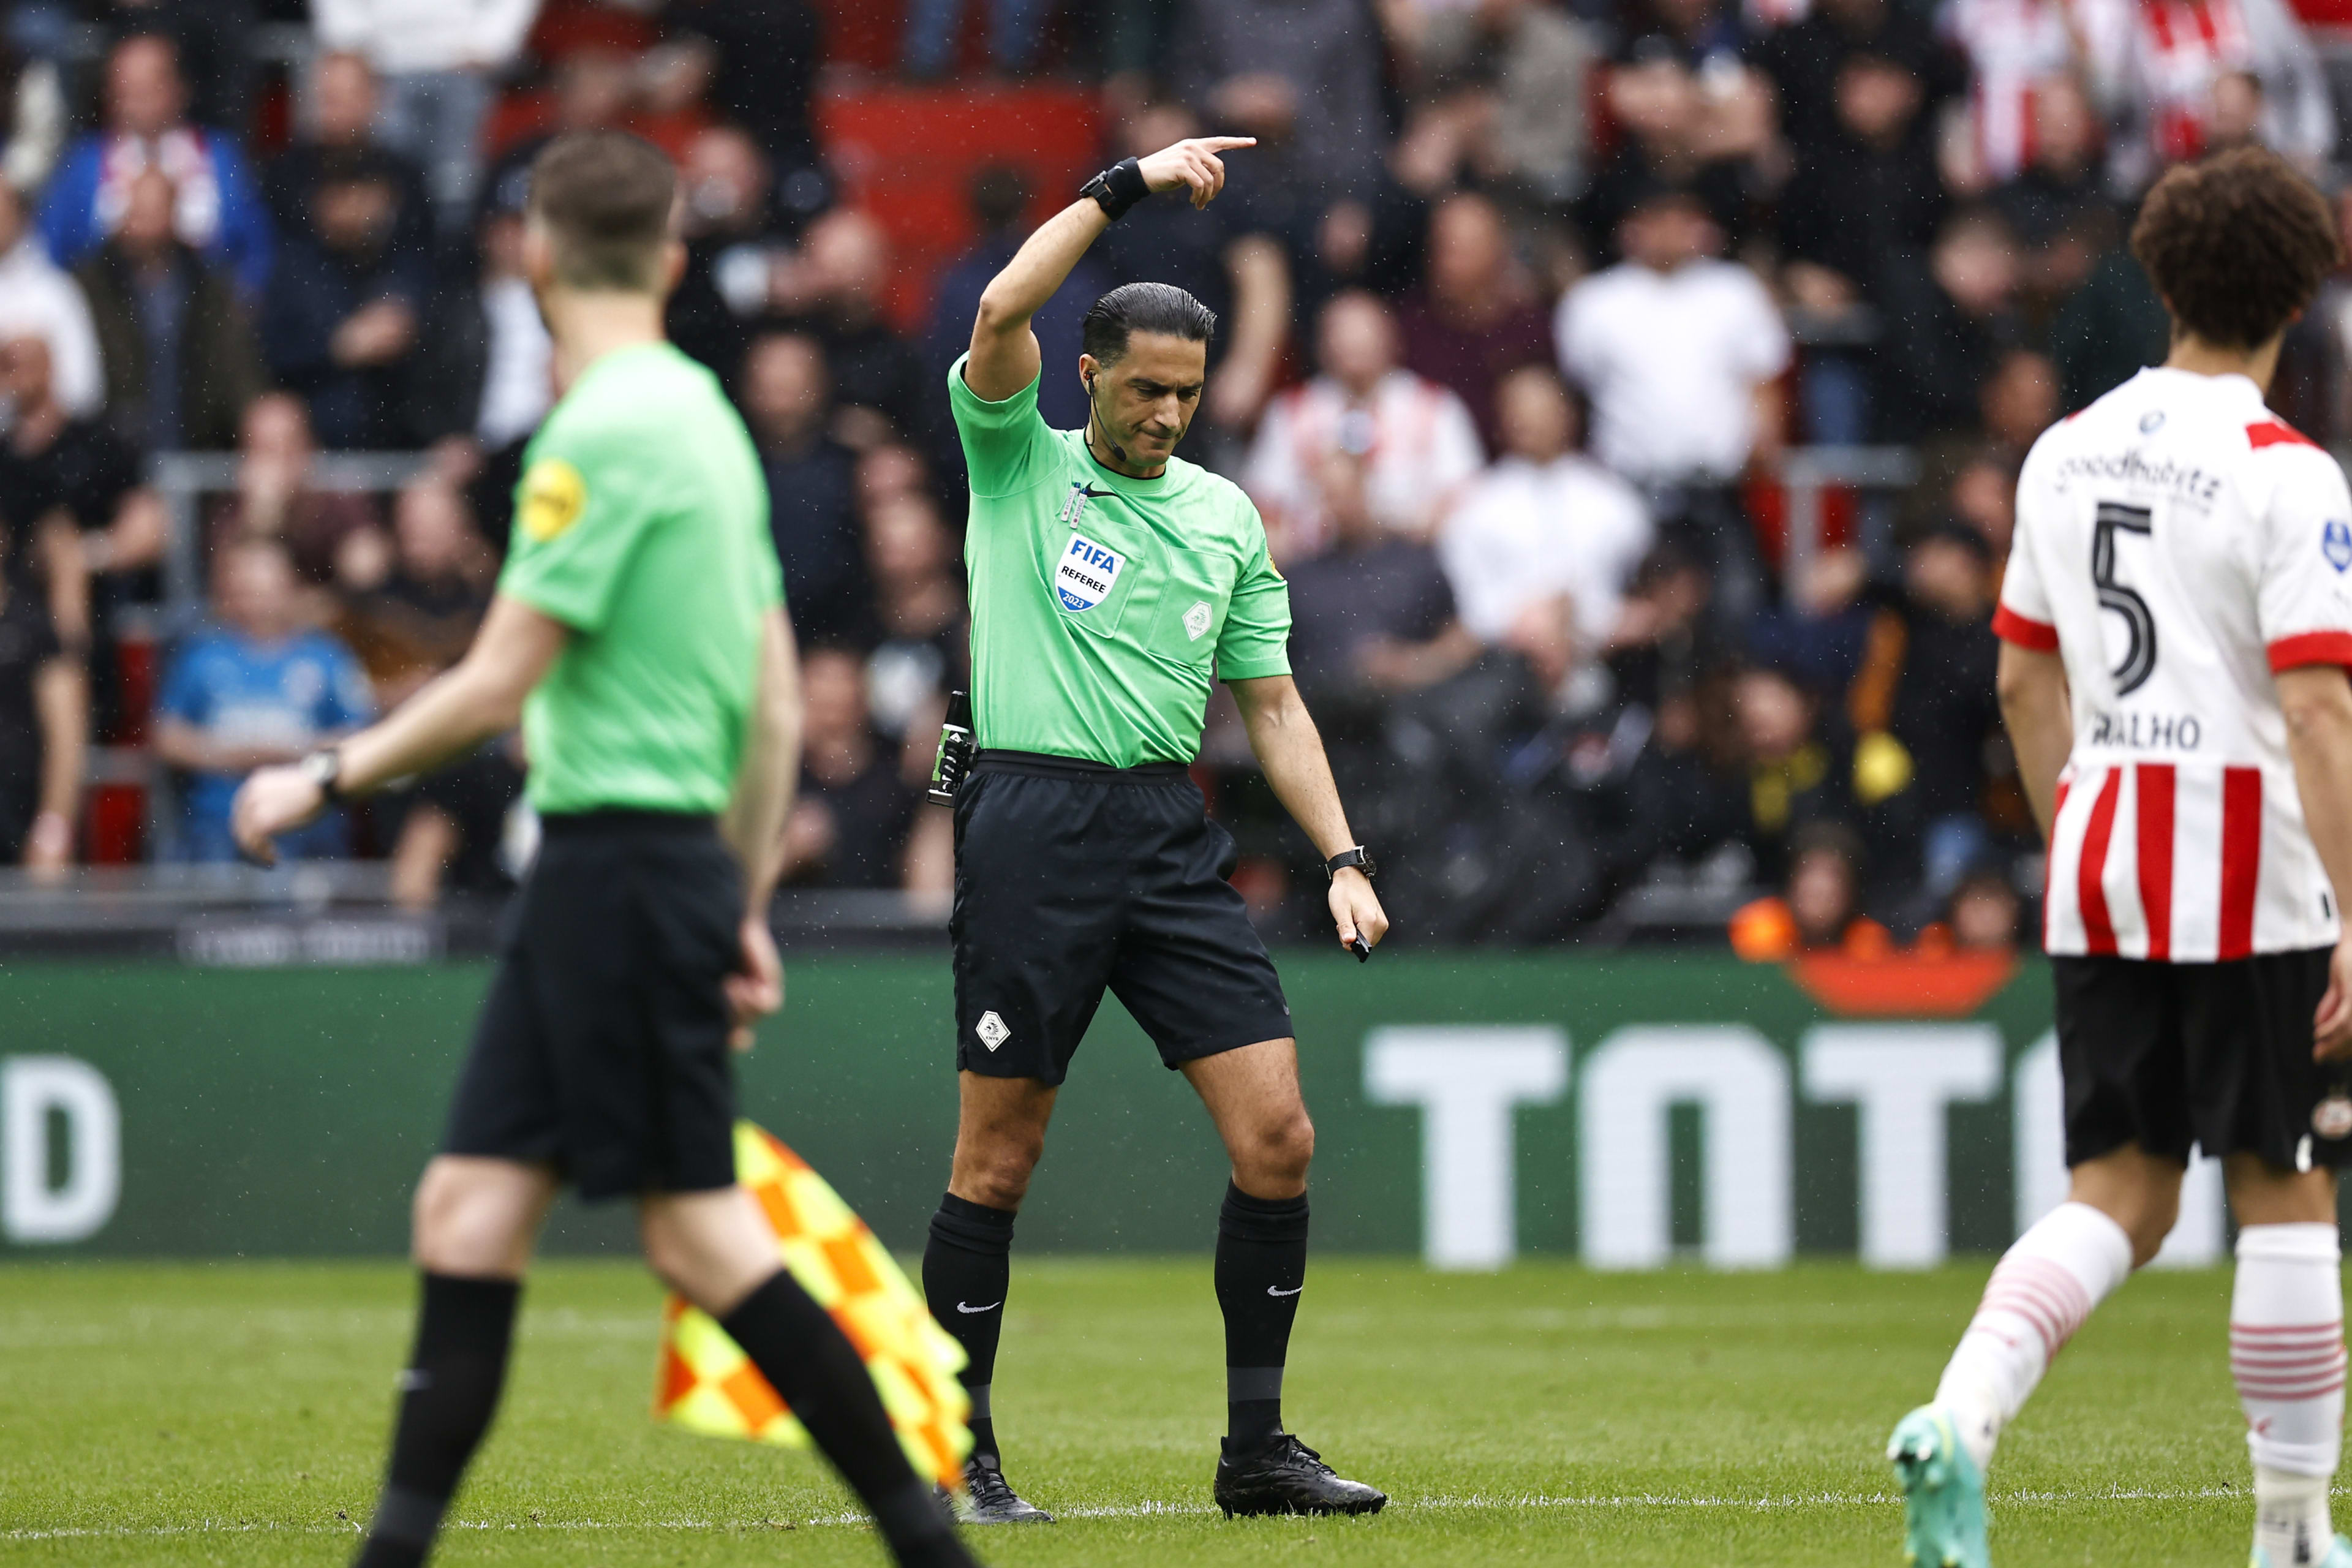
point(1146, 398)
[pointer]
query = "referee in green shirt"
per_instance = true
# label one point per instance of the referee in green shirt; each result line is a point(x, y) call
point(1111, 582)
point(639, 634)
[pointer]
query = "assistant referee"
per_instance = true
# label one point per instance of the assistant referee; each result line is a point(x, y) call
point(1111, 582)
point(639, 633)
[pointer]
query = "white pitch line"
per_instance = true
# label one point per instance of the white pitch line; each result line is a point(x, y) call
point(1156, 1509)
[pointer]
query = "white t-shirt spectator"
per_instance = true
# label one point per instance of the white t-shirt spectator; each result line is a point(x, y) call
point(517, 381)
point(39, 301)
point(1529, 532)
point(1416, 438)
point(1671, 361)
point(402, 36)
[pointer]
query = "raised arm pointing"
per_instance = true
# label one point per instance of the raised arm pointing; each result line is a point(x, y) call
point(1004, 350)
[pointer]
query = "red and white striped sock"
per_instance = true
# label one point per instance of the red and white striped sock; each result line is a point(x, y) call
point(2040, 1291)
point(2286, 1352)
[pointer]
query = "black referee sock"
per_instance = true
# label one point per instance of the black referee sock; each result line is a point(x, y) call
point(448, 1394)
point(1261, 1268)
point(967, 1266)
point(809, 1361)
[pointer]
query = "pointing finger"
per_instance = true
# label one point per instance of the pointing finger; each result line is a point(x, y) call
point(1220, 143)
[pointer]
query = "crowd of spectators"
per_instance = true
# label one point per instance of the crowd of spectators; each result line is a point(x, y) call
point(1522, 303)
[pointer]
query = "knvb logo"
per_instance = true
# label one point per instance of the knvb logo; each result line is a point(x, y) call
point(2336, 543)
point(1087, 574)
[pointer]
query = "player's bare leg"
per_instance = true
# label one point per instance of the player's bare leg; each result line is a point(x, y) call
point(715, 1249)
point(2286, 1354)
point(968, 1265)
point(1253, 1095)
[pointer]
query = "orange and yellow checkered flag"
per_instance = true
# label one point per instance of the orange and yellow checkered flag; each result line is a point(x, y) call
point(708, 1384)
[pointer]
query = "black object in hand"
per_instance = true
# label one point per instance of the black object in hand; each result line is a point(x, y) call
point(953, 761)
point(1361, 949)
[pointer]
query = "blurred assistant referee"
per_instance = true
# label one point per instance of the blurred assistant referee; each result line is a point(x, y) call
point(1111, 582)
point(639, 632)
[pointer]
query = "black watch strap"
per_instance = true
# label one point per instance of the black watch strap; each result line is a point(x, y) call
point(1118, 188)
point(1358, 857)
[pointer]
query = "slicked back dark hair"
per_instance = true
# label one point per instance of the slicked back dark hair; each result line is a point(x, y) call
point(606, 198)
point(1134, 308)
point(2236, 245)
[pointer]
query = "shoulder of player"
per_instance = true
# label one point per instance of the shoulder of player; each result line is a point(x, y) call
point(1213, 490)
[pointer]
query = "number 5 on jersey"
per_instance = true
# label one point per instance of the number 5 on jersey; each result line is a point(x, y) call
point(2140, 654)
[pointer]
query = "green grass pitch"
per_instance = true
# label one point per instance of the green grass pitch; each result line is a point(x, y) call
point(235, 1414)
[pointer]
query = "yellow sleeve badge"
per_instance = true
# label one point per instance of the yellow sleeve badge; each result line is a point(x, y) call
point(554, 495)
point(706, 1384)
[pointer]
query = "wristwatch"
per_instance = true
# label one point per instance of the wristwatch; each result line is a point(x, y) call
point(324, 767)
point(1117, 188)
point(1360, 857)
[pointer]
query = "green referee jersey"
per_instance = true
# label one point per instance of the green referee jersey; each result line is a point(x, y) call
point(641, 523)
point(1102, 607)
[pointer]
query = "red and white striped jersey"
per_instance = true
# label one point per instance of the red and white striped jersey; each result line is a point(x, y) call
point(2176, 545)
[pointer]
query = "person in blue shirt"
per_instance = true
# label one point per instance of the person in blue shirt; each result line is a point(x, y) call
point(218, 207)
point(260, 688)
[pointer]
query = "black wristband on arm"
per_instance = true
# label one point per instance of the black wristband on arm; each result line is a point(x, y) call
point(1118, 188)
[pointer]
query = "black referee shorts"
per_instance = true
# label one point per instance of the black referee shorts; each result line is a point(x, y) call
point(1072, 878)
point(602, 1046)
point(2216, 1054)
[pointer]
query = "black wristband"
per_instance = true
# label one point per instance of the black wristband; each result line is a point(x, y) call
point(1118, 188)
point(1356, 858)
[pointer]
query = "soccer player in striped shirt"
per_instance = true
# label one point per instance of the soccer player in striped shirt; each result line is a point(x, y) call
point(2177, 623)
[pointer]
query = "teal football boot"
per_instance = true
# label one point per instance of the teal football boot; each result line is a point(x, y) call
point(1943, 1495)
point(2339, 1557)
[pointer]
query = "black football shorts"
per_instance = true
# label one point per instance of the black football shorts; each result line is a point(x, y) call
point(601, 1048)
point(1071, 878)
point(2216, 1054)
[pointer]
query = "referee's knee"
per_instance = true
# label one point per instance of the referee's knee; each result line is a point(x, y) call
point(1276, 1151)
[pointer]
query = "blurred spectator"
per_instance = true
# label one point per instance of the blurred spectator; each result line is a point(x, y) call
point(2056, 204)
point(1819, 910)
point(31, 120)
point(1679, 351)
point(1806, 765)
point(918, 596)
point(212, 38)
point(439, 60)
point(180, 357)
point(2018, 51)
point(218, 207)
point(1543, 546)
point(1501, 92)
point(405, 629)
point(832, 285)
point(854, 823)
point(486, 370)
point(336, 139)
point(36, 298)
point(759, 73)
point(76, 498)
point(2017, 402)
point(257, 690)
point(934, 28)
point(1985, 912)
point(342, 322)
point(2183, 78)
point(812, 508)
point(275, 500)
point(594, 88)
point(1475, 315)
point(1927, 681)
point(731, 250)
point(1373, 615)
point(999, 197)
point(1869, 191)
point(1302, 76)
point(1803, 60)
point(43, 724)
point(1413, 438)
point(2107, 330)
point(1678, 129)
point(1950, 315)
point(1224, 255)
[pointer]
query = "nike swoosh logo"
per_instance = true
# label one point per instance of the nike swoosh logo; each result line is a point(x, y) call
point(1292, 1291)
point(990, 1307)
